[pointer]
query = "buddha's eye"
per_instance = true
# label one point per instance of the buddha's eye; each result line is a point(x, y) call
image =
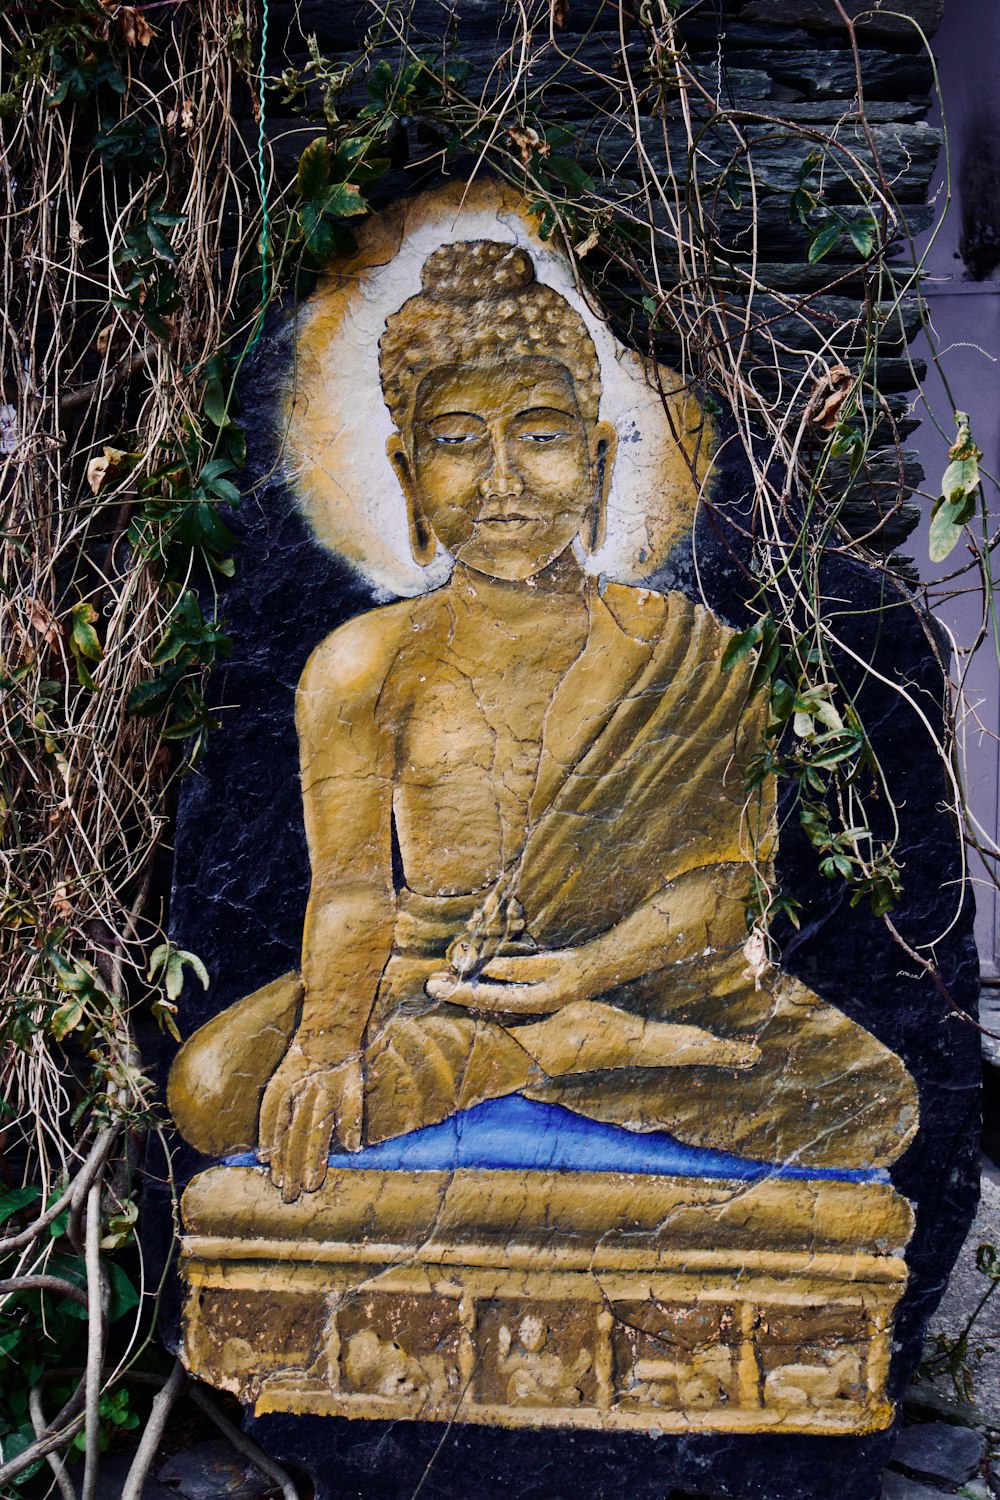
point(542, 437)
point(451, 439)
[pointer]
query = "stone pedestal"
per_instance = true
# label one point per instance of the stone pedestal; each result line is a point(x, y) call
point(582, 1299)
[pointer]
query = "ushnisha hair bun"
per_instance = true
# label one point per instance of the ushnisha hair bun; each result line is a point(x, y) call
point(476, 268)
point(481, 301)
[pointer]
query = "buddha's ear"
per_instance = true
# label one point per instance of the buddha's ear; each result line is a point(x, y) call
point(604, 445)
point(423, 543)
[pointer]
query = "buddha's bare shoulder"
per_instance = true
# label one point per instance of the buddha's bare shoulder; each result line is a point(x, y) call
point(354, 660)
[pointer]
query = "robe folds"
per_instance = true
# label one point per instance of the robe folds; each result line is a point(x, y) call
point(640, 795)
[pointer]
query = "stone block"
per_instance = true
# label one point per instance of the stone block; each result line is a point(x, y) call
point(938, 1452)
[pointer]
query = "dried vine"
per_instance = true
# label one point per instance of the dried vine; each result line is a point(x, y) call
point(134, 267)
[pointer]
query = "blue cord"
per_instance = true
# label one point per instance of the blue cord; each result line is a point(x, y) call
point(265, 227)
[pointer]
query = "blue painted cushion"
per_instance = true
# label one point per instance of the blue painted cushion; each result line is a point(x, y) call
point(514, 1133)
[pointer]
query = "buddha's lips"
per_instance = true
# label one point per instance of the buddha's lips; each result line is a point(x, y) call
point(509, 523)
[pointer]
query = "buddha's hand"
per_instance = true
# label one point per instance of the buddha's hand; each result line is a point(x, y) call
point(309, 1102)
point(534, 984)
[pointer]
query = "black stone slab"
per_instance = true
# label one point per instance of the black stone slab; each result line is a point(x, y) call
point(239, 898)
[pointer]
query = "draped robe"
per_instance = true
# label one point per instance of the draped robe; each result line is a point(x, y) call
point(640, 792)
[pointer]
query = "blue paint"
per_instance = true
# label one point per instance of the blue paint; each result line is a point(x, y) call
point(514, 1133)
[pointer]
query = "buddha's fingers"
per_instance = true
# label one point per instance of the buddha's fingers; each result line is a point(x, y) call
point(528, 968)
point(272, 1128)
point(666, 1046)
point(350, 1104)
point(307, 1143)
point(499, 999)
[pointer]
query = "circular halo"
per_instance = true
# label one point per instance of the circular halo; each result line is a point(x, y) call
point(337, 424)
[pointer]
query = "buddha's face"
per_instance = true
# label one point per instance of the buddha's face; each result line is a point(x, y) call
point(501, 467)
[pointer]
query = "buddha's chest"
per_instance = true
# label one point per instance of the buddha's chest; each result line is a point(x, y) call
point(475, 736)
point(468, 738)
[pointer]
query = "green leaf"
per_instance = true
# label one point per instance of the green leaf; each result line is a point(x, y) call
point(123, 1294)
point(862, 235)
point(163, 1015)
point(740, 645)
point(173, 961)
point(215, 403)
point(194, 962)
point(800, 206)
point(782, 700)
point(227, 491)
point(17, 1198)
point(343, 201)
point(808, 165)
point(946, 528)
point(174, 975)
point(960, 481)
point(149, 697)
point(768, 657)
point(214, 468)
point(824, 241)
point(84, 637)
point(168, 648)
point(314, 168)
point(13, 1444)
point(380, 82)
point(66, 1019)
point(569, 172)
point(961, 477)
point(159, 243)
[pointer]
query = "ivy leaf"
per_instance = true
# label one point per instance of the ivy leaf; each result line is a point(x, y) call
point(570, 172)
point(824, 241)
point(946, 528)
point(84, 636)
point(314, 168)
point(959, 484)
point(172, 961)
point(343, 201)
point(16, 1199)
point(740, 645)
point(215, 403)
point(862, 235)
point(66, 1019)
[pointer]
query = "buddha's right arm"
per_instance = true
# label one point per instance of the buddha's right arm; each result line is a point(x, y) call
point(346, 942)
point(317, 1092)
point(347, 802)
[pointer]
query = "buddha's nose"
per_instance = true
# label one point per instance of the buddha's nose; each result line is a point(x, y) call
point(501, 481)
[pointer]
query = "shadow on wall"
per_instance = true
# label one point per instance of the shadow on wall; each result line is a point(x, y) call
point(979, 191)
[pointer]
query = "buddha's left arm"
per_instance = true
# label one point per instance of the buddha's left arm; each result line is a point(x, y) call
point(698, 911)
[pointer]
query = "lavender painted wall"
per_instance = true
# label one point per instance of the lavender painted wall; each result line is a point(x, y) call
point(965, 316)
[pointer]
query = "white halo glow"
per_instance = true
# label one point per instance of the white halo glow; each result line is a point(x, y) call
point(338, 424)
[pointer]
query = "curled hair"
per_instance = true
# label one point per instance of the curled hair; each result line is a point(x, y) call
point(480, 300)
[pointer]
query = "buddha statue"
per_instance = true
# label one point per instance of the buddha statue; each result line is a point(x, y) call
point(524, 797)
